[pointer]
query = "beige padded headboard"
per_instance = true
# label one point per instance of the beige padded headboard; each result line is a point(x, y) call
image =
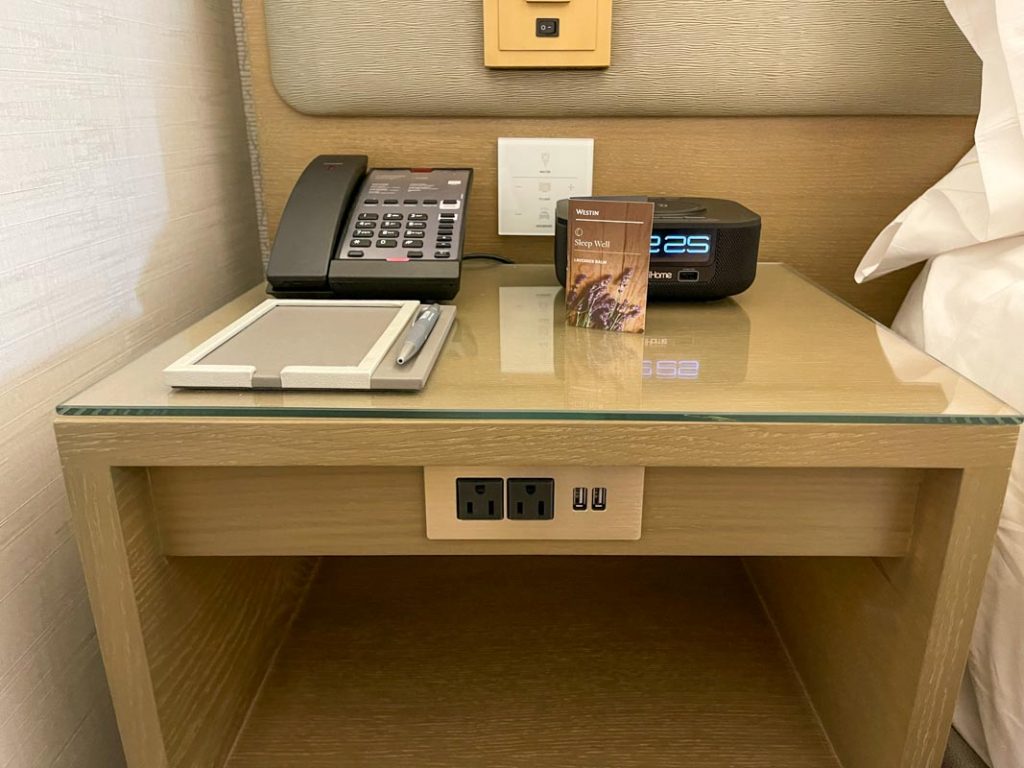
point(824, 186)
point(670, 57)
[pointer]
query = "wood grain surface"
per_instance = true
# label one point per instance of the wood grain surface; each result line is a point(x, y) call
point(502, 662)
point(380, 511)
point(197, 441)
point(881, 644)
point(825, 186)
point(186, 642)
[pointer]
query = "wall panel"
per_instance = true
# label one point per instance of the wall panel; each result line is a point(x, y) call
point(126, 213)
point(670, 57)
point(824, 185)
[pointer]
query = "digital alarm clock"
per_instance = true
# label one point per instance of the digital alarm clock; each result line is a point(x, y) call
point(702, 248)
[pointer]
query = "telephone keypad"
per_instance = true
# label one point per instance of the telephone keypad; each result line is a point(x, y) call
point(409, 222)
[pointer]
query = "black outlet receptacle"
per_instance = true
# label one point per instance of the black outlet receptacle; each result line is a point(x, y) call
point(531, 498)
point(479, 498)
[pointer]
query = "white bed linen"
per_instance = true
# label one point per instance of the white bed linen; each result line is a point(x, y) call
point(967, 309)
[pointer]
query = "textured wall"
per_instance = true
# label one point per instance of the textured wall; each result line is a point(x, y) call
point(126, 212)
point(669, 57)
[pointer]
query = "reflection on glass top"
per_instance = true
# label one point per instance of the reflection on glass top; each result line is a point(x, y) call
point(782, 351)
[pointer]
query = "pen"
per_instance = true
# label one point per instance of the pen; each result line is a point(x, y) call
point(418, 333)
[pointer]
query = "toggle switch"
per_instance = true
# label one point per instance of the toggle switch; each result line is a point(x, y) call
point(547, 27)
point(547, 34)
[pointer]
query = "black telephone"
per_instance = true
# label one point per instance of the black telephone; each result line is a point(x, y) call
point(386, 233)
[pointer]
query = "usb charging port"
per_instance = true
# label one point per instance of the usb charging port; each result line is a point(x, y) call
point(600, 502)
point(579, 498)
point(689, 275)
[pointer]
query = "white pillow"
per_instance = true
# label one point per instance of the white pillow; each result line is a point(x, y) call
point(982, 198)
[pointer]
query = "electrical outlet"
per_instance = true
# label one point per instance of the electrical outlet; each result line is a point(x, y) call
point(531, 498)
point(479, 498)
point(539, 502)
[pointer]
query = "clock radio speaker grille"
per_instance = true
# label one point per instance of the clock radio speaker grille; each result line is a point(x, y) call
point(734, 268)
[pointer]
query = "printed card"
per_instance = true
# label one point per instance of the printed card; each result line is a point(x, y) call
point(609, 255)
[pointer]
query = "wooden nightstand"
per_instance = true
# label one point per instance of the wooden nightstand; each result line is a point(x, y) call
point(849, 484)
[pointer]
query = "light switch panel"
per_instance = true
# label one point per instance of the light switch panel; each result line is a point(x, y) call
point(533, 175)
point(547, 34)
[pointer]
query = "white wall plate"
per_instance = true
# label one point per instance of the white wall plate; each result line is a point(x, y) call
point(533, 175)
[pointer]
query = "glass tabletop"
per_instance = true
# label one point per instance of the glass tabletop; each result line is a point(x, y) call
point(785, 350)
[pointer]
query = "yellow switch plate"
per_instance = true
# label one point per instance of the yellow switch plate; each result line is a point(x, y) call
point(584, 38)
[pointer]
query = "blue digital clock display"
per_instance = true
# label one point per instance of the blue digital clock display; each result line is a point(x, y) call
point(690, 246)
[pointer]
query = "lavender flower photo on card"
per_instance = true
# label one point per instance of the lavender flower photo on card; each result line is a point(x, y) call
point(609, 257)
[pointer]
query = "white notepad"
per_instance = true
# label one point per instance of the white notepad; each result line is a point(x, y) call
point(313, 344)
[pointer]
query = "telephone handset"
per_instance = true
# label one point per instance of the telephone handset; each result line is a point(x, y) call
point(392, 233)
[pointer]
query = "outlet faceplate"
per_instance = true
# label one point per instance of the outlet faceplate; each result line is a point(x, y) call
point(620, 520)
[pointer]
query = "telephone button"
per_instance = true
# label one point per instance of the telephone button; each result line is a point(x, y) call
point(415, 254)
point(390, 225)
point(442, 254)
point(392, 217)
point(369, 216)
point(412, 243)
point(370, 202)
point(355, 254)
point(409, 202)
point(361, 243)
point(390, 202)
point(364, 233)
point(387, 243)
point(444, 238)
point(414, 234)
point(430, 202)
point(417, 217)
point(416, 225)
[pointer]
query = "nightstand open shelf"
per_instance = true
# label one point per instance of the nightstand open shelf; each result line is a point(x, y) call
point(511, 661)
point(845, 478)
